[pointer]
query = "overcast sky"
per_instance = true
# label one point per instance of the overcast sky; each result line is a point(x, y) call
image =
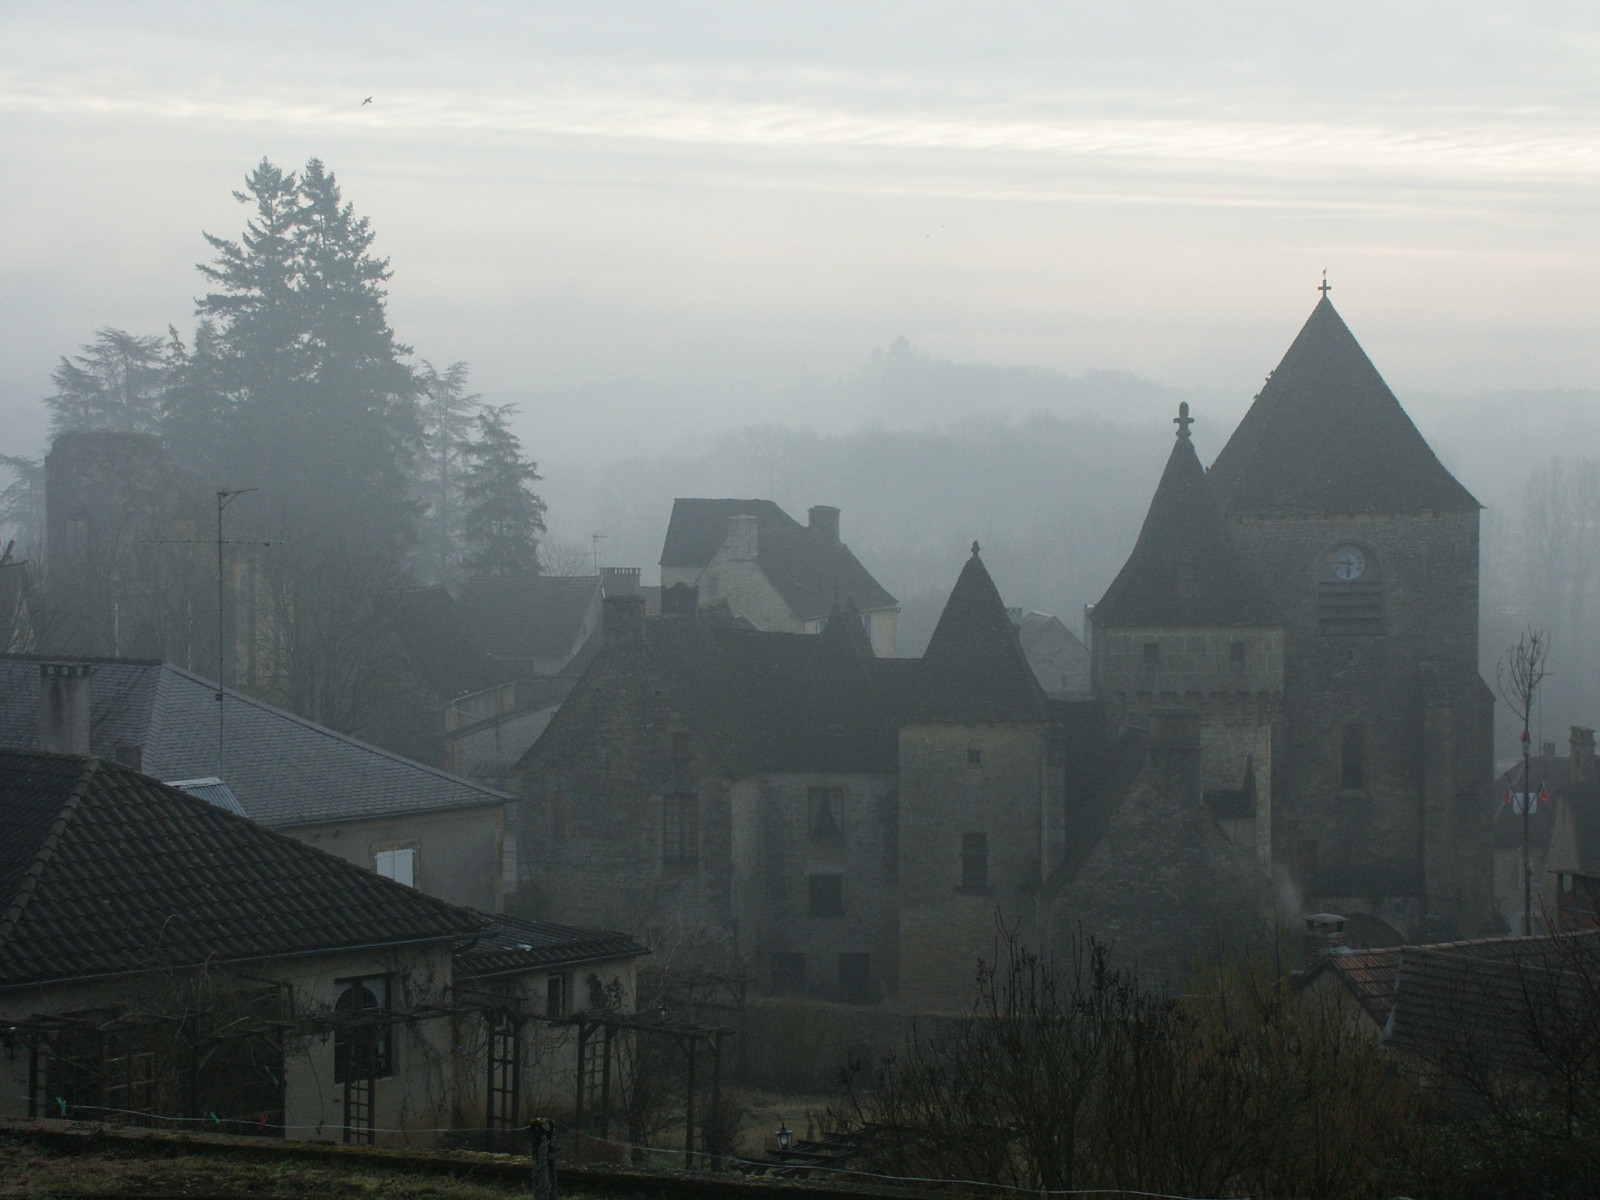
point(719, 197)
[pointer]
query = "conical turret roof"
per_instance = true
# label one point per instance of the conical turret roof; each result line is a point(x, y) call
point(974, 668)
point(1184, 569)
point(1327, 436)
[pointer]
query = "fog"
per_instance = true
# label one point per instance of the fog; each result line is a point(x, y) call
point(948, 267)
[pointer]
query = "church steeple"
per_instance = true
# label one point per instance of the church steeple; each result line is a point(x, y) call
point(1184, 570)
point(1327, 437)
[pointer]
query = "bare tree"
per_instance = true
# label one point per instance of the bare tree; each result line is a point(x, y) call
point(1518, 677)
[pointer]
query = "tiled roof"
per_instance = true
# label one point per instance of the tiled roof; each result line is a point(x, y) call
point(814, 573)
point(974, 668)
point(1327, 436)
point(283, 769)
point(511, 945)
point(530, 616)
point(699, 527)
point(1184, 569)
point(105, 871)
point(1476, 998)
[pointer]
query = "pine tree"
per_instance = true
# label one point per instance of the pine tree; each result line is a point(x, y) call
point(504, 516)
point(118, 382)
point(447, 419)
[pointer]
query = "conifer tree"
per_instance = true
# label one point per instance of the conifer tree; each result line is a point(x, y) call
point(447, 420)
point(118, 382)
point(504, 516)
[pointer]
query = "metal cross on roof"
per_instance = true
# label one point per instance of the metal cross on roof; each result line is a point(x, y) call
point(1183, 420)
point(1326, 286)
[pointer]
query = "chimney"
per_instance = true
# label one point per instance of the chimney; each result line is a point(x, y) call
point(622, 618)
point(1014, 615)
point(1324, 936)
point(619, 581)
point(742, 541)
point(1581, 747)
point(64, 707)
point(824, 519)
point(680, 600)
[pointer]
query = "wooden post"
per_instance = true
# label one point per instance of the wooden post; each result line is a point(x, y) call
point(605, 1082)
point(577, 1108)
point(688, 1110)
point(714, 1125)
point(489, 1138)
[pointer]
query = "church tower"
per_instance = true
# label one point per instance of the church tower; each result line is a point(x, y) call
point(1368, 548)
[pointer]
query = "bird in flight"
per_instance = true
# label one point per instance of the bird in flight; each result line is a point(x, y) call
point(368, 100)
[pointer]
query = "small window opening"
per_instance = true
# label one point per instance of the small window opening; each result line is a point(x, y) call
point(974, 862)
point(1352, 757)
point(398, 865)
point(975, 756)
point(1152, 654)
point(680, 829)
point(826, 806)
point(555, 996)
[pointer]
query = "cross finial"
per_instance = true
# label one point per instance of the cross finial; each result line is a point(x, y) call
point(974, 549)
point(1326, 286)
point(1183, 420)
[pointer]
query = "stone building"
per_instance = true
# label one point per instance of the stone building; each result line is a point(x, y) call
point(771, 571)
point(1315, 597)
point(846, 825)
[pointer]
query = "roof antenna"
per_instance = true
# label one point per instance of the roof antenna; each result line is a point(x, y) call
point(1183, 420)
point(1326, 286)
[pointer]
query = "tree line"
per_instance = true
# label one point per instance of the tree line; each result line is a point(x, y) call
point(362, 468)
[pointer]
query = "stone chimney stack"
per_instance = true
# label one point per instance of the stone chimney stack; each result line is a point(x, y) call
point(1581, 747)
point(1324, 936)
point(64, 707)
point(622, 617)
point(742, 540)
point(619, 581)
point(824, 519)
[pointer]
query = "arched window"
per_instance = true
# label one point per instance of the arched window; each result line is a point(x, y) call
point(361, 1037)
point(1352, 757)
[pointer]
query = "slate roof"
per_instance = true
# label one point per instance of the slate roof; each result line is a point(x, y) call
point(510, 946)
point(1474, 998)
point(105, 871)
point(813, 573)
point(1184, 569)
point(974, 668)
point(529, 616)
point(1327, 436)
point(699, 527)
point(283, 769)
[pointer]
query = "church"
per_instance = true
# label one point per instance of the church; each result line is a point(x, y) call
point(1313, 599)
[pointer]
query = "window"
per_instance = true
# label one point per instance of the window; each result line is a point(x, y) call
point(680, 829)
point(1236, 653)
point(826, 819)
point(398, 865)
point(975, 756)
point(855, 978)
point(1152, 654)
point(974, 862)
point(555, 996)
point(826, 895)
point(361, 1046)
point(680, 747)
point(788, 974)
point(1352, 758)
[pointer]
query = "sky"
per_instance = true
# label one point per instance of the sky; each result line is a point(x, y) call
point(648, 221)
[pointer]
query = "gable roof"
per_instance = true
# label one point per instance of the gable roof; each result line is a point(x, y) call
point(511, 945)
point(815, 573)
point(974, 668)
point(105, 871)
point(699, 527)
point(1327, 436)
point(1184, 569)
point(1473, 998)
point(283, 769)
point(522, 617)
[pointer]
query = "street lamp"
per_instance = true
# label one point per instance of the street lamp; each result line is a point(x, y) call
point(785, 1137)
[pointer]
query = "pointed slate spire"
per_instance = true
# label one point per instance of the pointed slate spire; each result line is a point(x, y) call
point(1184, 570)
point(974, 668)
point(1326, 436)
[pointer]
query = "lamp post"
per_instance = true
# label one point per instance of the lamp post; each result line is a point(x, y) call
point(785, 1137)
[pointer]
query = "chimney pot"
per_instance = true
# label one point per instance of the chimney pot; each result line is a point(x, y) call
point(824, 518)
point(619, 581)
point(64, 707)
point(1325, 935)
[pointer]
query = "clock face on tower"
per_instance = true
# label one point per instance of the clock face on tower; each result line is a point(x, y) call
point(1349, 562)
